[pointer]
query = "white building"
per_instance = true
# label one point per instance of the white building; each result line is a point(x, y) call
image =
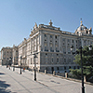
point(15, 55)
point(53, 47)
point(6, 54)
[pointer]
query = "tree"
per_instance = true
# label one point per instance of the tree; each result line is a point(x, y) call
point(87, 59)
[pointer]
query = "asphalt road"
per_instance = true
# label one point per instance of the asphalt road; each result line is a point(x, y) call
point(12, 82)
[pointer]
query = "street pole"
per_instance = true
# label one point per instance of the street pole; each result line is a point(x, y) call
point(13, 68)
point(34, 65)
point(82, 76)
point(20, 65)
point(34, 68)
point(13, 65)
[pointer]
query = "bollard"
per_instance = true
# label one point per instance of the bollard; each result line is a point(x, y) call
point(13, 68)
point(45, 71)
point(20, 71)
point(53, 72)
point(66, 75)
point(23, 69)
point(38, 70)
point(85, 79)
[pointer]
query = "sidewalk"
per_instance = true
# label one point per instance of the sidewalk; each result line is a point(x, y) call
point(14, 82)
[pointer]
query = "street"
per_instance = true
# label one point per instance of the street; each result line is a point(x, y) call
point(14, 82)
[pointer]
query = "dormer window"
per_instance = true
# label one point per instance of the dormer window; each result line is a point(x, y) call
point(86, 32)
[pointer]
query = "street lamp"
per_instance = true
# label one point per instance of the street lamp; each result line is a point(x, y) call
point(13, 65)
point(34, 65)
point(20, 65)
point(90, 48)
point(10, 59)
point(83, 90)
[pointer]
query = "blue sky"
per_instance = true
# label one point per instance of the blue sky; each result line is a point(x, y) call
point(17, 17)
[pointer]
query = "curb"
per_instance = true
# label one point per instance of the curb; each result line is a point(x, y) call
point(68, 78)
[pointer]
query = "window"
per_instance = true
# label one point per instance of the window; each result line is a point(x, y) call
point(45, 39)
point(45, 47)
point(81, 28)
point(77, 67)
point(50, 36)
point(44, 35)
point(52, 59)
point(50, 40)
point(74, 67)
point(68, 40)
point(64, 68)
point(57, 59)
point(69, 67)
point(77, 33)
point(64, 59)
point(72, 41)
point(64, 50)
point(55, 41)
point(57, 68)
point(56, 37)
point(50, 48)
point(84, 41)
point(63, 39)
point(86, 32)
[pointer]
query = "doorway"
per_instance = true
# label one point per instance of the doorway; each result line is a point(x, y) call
point(52, 69)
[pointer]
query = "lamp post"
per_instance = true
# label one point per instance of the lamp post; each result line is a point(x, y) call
point(10, 59)
point(20, 65)
point(13, 65)
point(34, 65)
point(82, 76)
point(34, 68)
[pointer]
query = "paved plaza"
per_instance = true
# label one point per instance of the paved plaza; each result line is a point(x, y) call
point(12, 82)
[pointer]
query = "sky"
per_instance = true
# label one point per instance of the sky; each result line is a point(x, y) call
point(17, 17)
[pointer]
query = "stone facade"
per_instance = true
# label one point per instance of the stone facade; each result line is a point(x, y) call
point(49, 48)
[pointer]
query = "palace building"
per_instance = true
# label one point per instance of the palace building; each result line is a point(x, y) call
point(49, 48)
point(52, 47)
